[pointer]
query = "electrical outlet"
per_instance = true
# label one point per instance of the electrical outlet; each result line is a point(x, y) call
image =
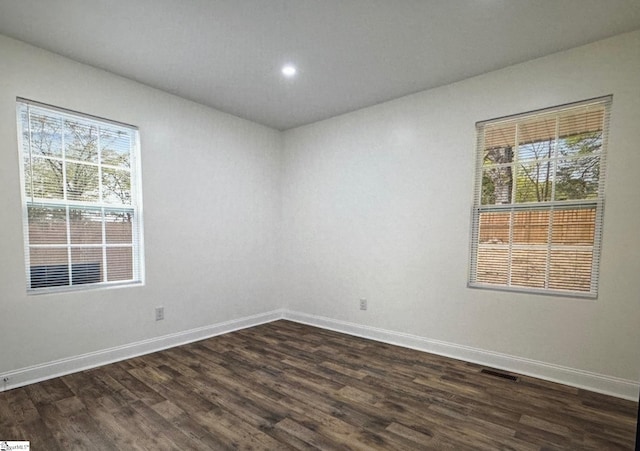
point(159, 313)
point(363, 304)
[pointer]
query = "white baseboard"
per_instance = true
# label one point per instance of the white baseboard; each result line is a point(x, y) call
point(49, 370)
point(621, 388)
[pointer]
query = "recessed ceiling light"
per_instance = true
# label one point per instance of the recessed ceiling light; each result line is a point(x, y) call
point(289, 70)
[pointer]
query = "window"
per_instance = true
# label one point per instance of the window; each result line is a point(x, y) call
point(538, 201)
point(81, 199)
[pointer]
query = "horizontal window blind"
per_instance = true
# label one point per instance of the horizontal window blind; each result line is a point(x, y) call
point(81, 197)
point(539, 200)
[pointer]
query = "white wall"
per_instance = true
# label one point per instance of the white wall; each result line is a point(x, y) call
point(373, 204)
point(211, 190)
point(377, 205)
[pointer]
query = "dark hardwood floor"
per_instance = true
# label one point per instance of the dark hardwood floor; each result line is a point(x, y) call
point(285, 385)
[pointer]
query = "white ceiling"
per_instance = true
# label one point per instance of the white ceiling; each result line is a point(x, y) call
point(350, 53)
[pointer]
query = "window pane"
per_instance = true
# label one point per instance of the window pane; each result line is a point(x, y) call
point(43, 178)
point(537, 137)
point(86, 265)
point(81, 141)
point(82, 182)
point(538, 151)
point(47, 225)
point(115, 147)
point(534, 182)
point(584, 144)
point(493, 264)
point(574, 227)
point(578, 178)
point(495, 228)
point(119, 263)
point(499, 136)
point(570, 270)
point(48, 256)
point(535, 168)
point(497, 162)
point(498, 156)
point(48, 267)
point(45, 136)
point(116, 187)
point(528, 267)
point(585, 125)
point(531, 227)
point(497, 185)
point(85, 226)
point(118, 226)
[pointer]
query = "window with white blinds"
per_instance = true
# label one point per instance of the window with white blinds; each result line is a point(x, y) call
point(539, 200)
point(81, 199)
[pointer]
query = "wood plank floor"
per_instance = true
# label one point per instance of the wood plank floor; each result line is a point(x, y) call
point(285, 385)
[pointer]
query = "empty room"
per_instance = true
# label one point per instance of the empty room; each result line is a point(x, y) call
point(304, 224)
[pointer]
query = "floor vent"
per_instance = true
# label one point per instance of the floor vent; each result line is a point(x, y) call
point(499, 374)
